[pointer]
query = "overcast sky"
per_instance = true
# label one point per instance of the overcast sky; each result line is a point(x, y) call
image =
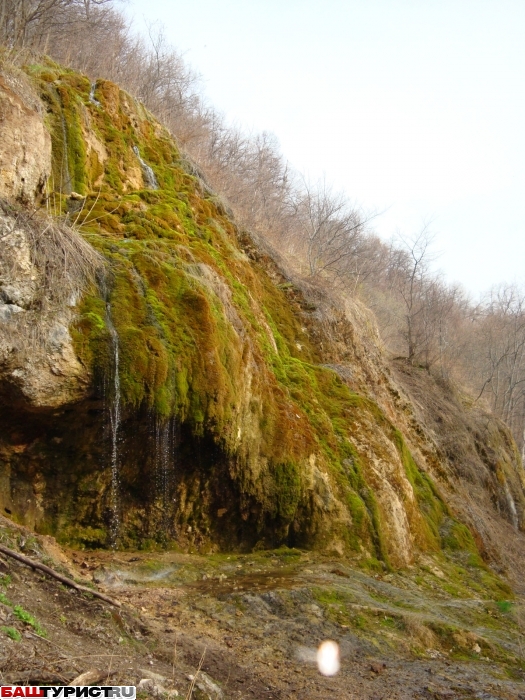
point(412, 107)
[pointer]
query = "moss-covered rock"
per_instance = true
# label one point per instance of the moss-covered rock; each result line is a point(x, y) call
point(233, 431)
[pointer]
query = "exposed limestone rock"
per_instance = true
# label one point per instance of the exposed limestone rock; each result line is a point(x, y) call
point(96, 152)
point(46, 379)
point(19, 276)
point(25, 154)
point(38, 364)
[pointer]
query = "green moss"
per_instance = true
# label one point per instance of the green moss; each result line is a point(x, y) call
point(83, 537)
point(372, 564)
point(287, 489)
point(432, 507)
point(459, 537)
point(335, 605)
point(211, 340)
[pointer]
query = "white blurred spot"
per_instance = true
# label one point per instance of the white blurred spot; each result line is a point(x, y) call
point(328, 658)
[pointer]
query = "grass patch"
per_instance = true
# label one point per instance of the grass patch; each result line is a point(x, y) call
point(12, 633)
point(29, 619)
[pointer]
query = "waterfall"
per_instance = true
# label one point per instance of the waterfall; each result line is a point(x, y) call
point(149, 175)
point(114, 424)
point(66, 185)
point(512, 507)
point(164, 467)
point(92, 97)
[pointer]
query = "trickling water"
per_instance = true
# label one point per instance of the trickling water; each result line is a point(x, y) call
point(92, 97)
point(66, 185)
point(512, 507)
point(164, 466)
point(114, 422)
point(149, 175)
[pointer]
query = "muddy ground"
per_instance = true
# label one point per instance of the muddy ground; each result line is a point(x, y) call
point(442, 629)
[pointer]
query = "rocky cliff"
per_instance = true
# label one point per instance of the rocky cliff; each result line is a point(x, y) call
point(164, 379)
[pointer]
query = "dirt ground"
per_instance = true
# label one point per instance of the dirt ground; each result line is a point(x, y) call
point(248, 626)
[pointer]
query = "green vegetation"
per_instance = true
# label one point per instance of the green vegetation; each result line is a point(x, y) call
point(28, 619)
point(12, 633)
point(505, 606)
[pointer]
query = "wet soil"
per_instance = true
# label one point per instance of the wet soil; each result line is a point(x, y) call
point(254, 622)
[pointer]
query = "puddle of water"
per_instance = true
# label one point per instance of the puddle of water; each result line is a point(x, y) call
point(119, 577)
point(243, 583)
point(215, 584)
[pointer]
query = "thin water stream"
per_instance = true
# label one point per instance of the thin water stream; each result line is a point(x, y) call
point(164, 434)
point(66, 185)
point(92, 97)
point(114, 422)
point(163, 463)
point(149, 175)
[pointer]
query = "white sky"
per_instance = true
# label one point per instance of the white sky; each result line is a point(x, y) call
point(412, 106)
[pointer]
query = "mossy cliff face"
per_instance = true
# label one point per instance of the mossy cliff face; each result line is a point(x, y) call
point(212, 418)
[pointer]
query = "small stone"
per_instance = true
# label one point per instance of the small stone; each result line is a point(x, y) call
point(377, 667)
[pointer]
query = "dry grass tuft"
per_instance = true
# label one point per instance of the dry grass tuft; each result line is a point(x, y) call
point(419, 632)
point(50, 265)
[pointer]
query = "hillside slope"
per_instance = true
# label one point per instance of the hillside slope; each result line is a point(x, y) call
point(195, 392)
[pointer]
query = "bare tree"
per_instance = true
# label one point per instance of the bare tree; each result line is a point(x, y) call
point(333, 235)
point(497, 356)
point(409, 273)
point(32, 23)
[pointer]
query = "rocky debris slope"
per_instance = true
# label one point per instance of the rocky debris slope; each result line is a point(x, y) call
point(437, 630)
